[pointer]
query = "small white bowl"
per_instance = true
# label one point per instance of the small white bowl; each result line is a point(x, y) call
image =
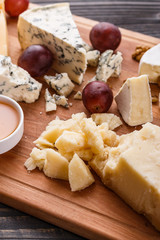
point(11, 141)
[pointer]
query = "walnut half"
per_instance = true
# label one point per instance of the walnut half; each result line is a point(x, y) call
point(139, 51)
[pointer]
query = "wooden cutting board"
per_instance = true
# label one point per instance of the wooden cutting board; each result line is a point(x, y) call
point(96, 212)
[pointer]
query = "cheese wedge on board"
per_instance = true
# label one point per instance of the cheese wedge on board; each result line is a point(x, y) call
point(3, 27)
point(132, 171)
point(134, 101)
point(150, 64)
point(53, 26)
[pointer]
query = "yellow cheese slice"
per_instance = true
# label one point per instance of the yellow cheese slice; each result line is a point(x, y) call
point(3, 36)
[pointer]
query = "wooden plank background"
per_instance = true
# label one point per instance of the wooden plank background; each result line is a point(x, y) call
point(140, 16)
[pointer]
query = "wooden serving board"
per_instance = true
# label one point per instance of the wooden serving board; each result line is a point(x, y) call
point(96, 212)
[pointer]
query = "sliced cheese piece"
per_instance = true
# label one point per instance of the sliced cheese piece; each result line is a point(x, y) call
point(80, 176)
point(78, 96)
point(108, 64)
point(50, 102)
point(61, 100)
point(150, 64)
point(70, 141)
point(4, 32)
point(93, 58)
point(60, 83)
point(17, 83)
point(134, 101)
point(54, 27)
point(55, 165)
point(133, 171)
point(117, 71)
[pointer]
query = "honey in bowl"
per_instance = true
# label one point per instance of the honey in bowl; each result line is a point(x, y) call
point(9, 120)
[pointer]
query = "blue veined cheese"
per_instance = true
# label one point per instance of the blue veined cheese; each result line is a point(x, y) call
point(50, 102)
point(93, 58)
point(109, 64)
point(87, 47)
point(117, 72)
point(78, 96)
point(61, 100)
point(17, 83)
point(53, 26)
point(60, 83)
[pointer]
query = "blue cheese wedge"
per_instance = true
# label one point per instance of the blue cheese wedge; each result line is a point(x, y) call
point(50, 102)
point(109, 64)
point(17, 83)
point(93, 58)
point(61, 100)
point(134, 101)
point(53, 26)
point(61, 83)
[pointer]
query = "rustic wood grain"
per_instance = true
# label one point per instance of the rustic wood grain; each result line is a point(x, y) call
point(142, 17)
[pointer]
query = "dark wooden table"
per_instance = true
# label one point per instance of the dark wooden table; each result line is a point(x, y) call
point(140, 16)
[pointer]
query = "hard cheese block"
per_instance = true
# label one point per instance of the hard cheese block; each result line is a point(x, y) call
point(54, 27)
point(150, 64)
point(3, 36)
point(132, 171)
point(134, 101)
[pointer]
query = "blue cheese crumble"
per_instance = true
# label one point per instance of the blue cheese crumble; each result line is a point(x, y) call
point(17, 83)
point(61, 83)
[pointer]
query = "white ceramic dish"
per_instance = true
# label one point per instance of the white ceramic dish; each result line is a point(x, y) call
point(10, 141)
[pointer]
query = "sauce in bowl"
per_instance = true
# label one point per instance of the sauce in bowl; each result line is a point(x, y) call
point(9, 120)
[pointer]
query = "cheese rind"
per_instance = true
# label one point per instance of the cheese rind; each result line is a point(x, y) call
point(53, 26)
point(150, 64)
point(134, 101)
point(17, 83)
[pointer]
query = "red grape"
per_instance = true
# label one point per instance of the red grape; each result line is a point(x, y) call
point(97, 97)
point(15, 7)
point(36, 59)
point(105, 36)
